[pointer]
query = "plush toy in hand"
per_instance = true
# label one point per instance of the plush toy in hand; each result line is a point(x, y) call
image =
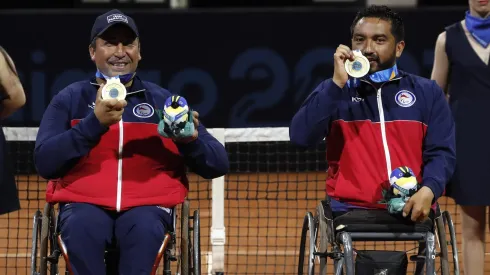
point(403, 181)
point(176, 120)
point(403, 185)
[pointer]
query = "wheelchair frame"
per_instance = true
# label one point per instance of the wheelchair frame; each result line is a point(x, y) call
point(323, 224)
point(46, 237)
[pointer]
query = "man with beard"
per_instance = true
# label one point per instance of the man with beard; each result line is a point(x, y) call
point(114, 177)
point(376, 123)
point(461, 68)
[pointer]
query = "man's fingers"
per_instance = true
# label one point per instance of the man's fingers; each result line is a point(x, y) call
point(120, 113)
point(346, 51)
point(109, 103)
point(416, 213)
point(342, 55)
point(117, 114)
point(407, 208)
point(195, 118)
point(120, 104)
point(345, 48)
point(338, 56)
point(423, 216)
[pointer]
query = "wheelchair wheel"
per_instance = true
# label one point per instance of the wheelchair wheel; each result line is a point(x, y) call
point(322, 233)
point(441, 236)
point(452, 234)
point(184, 239)
point(42, 239)
point(196, 243)
point(36, 233)
point(190, 244)
point(309, 230)
point(47, 240)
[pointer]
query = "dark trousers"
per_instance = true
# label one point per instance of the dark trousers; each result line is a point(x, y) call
point(87, 230)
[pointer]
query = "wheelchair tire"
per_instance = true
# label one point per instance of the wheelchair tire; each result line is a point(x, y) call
point(36, 233)
point(184, 239)
point(44, 240)
point(322, 238)
point(196, 243)
point(47, 239)
point(441, 236)
point(452, 233)
point(309, 225)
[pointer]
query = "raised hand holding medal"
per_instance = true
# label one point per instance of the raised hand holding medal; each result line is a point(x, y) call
point(109, 110)
point(348, 62)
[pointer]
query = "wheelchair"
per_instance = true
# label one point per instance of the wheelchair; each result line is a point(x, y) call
point(46, 238)
point(331, 237)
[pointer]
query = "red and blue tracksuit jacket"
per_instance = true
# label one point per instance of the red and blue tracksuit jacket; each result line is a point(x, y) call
point(122, 166)
point(373, 128)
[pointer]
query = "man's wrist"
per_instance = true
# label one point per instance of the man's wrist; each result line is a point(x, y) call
point(428, 190)
point(338, 83)
point(428, 193)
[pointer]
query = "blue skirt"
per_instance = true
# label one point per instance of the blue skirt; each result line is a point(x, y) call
point(470, 184)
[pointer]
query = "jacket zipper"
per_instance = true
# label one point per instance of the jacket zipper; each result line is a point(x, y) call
point(384, 139)
point(383, 132)
point(119, 165)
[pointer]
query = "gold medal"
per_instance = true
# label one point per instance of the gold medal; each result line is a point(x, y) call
point(359, 67)
point(114, 89)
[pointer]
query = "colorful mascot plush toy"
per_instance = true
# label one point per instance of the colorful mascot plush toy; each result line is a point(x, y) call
point(176, 120)
point(403, 184)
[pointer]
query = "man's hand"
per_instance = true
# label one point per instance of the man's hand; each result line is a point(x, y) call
point(195, 119)
point(342, 54)
point(420, 204)
point(109, 111)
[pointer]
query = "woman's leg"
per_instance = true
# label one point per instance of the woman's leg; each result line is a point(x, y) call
point(473, 224)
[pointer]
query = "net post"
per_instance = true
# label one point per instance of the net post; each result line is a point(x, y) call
point(218, 235)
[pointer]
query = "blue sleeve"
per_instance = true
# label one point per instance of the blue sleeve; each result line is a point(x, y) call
point(439, 149)
point(311, 123)
point(205, 156)
point(58, 145)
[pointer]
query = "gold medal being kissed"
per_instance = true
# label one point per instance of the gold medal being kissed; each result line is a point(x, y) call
point(359, 67)
point(114, 89)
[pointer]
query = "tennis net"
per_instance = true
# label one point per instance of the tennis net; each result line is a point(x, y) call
point(270, 186)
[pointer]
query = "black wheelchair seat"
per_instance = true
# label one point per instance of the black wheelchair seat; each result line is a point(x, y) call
point(368, 220)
